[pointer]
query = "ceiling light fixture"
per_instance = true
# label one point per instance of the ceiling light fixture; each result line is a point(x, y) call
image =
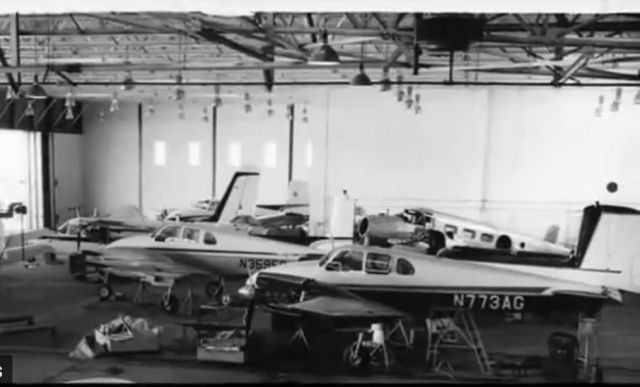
point(115, 105)
point(636, 99)
point(270, 107)
point(128, 83)
point(325, 54)
point(10, 93)
point(418, 108)
point(69, 114)
point(615, 105)
point(247, 102)
point(600, 108)
point(36, 91)
point(70, 100)
point(205, 114)
point(305, 118)
point(29, 110)
point(400, 92)
point(385, 82)
point(361, 79)
point(217, 100)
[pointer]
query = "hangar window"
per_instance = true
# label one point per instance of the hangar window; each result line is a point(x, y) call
point(191, 234)
point(209, 239)
point(468, 233)
point(486, 238)
point(309, 155)
point(347, 260)
point(159, 153)
point(194, 153)
point(404, 267)
point(270, 155)
point(378, 263)
point(235, 154)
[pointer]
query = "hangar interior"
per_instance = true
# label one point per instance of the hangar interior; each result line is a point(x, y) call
point(518, 120)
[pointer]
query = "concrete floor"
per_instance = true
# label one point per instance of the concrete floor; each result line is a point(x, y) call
point(52, 296)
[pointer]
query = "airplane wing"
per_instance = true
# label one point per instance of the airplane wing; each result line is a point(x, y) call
point(340, 307)
point(280, 207)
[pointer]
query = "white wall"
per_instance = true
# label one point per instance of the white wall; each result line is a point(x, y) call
point(520, 157)
point(177, 183)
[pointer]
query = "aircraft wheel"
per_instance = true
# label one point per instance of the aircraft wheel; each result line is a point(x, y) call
point(356, 360)
point(104, 292)
point(215, 290)
point(169, 303)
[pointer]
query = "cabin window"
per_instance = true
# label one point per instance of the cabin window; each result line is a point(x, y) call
point(378, 263)
point(191, 234)
point(347, 260)
point(209, 239)
point(404, 267)
point(486, 238)
point(449, 229)
point(468, 233)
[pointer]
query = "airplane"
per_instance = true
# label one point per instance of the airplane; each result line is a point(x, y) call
point(377, 284)
point(447, 230)
point(214, 248)
point(84, 232)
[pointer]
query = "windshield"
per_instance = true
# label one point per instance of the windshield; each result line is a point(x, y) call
point(324, 259)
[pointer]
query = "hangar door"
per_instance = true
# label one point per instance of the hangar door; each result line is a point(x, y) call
point(21, 178)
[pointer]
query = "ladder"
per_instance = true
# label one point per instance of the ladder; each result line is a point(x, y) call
point(452, 328)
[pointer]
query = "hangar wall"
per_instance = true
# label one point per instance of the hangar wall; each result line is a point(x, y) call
point(483, 152)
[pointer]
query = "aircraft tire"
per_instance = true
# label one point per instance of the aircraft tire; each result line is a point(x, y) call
point(169, 304)
point(355, 360)
point(105, 292)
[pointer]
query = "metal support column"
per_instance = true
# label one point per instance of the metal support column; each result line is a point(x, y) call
point(291, 109)
point(214, 149)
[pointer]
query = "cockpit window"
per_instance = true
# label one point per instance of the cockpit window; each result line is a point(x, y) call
point(63, 228)
point(378, 263)
point(191, 234)
point(404, 267)
point(324, 259)
point(347, 260)
point(209, 239)
point(168, 232)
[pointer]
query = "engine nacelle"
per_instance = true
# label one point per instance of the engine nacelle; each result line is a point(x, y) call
point(385, 227)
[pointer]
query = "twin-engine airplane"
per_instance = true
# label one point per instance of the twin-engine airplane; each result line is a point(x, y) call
point(446, 230)
point(216, 248)
point(373, 283)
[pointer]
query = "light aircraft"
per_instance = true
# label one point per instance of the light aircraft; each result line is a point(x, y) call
point(446, 230)
point(375, 284)
point(84, 232)
point(216, 248)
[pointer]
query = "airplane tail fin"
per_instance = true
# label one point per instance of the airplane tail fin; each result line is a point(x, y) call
point(240, 197)
point(608, 244)
point(552, 234)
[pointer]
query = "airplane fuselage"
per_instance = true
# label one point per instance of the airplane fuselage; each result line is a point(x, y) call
point(415, 283)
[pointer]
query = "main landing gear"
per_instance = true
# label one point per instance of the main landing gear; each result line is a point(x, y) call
point(214, 290)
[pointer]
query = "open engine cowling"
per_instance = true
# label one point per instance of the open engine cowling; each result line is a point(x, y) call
point(385, 227)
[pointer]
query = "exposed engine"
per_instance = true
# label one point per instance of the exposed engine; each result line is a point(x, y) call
point(385, 227)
